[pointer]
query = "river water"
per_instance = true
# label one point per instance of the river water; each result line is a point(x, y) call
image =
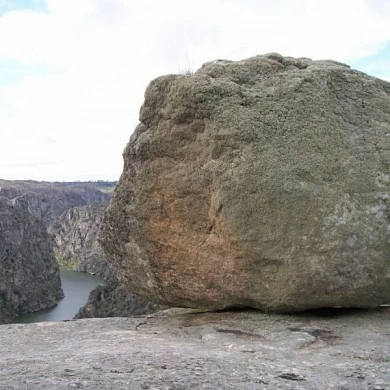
point(76, 286)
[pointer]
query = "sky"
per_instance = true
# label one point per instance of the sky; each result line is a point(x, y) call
point(73, 73)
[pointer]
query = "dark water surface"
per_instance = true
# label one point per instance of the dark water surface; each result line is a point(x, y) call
point(76, 286)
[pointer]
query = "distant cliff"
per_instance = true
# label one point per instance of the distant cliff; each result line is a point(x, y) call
point(73, 213)
point(76, 236)
point(29, 273)
point(76, 233)
point(47, 200)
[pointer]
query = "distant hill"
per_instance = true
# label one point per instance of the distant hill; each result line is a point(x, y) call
point(101, 185)
point(48, 200)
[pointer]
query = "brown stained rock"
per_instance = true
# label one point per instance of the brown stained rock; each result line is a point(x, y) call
point(200, 319)
point(261, 183)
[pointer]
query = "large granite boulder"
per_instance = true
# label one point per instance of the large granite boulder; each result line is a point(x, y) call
point(29, 274)
point(261, 183)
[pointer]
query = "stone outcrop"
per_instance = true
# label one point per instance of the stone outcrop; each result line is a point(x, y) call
point(182, 350)
point(261, 183)
point(29, 273)
point(47, 200)
point(76, 234)
point(113, 299)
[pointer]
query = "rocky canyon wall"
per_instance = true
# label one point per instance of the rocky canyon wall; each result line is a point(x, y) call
point(29, 273)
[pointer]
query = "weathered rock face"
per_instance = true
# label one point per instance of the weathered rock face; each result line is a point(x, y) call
point(76, 234)
point(261, 183)
point(29, 274)
point(47, 200)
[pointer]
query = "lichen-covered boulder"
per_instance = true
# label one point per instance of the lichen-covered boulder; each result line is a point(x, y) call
point(261, 183)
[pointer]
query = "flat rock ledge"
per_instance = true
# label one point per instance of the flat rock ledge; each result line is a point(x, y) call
point(185, 349)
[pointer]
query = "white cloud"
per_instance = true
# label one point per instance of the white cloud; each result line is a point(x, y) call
point(106, 52)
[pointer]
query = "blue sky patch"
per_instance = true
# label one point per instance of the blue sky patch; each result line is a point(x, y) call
point(13, 72)
point(32, 5)
point(377, 65)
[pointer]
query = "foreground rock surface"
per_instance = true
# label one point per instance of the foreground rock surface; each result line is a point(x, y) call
point(29, 274)
point(261, 183)
point(179, 350)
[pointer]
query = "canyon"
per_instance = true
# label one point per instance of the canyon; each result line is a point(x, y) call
point(255, 200)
